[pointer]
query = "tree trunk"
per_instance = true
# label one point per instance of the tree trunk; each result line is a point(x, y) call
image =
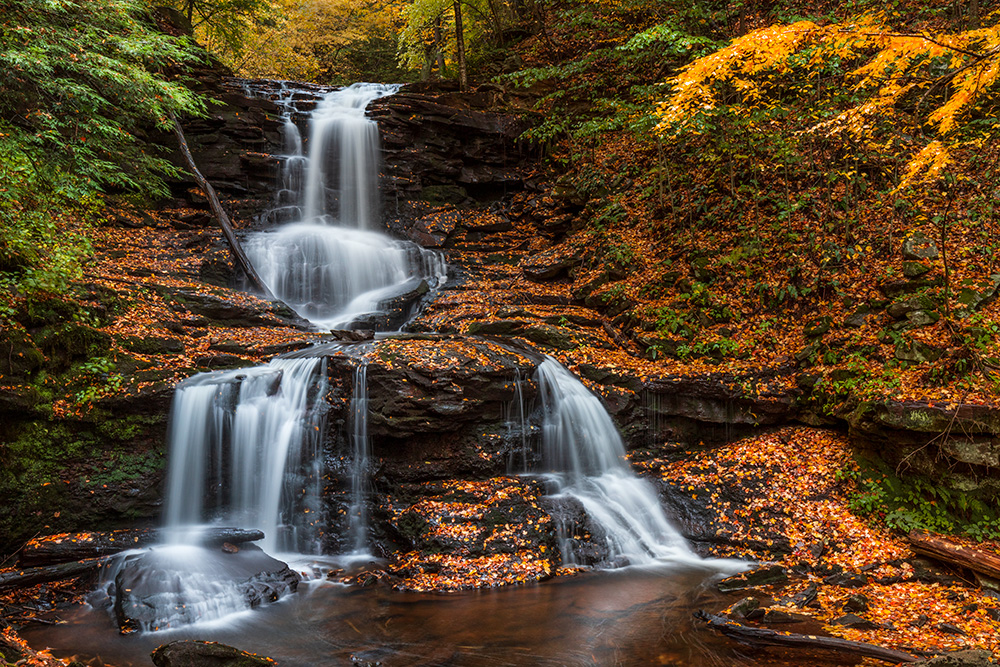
point(220, 214)
point(438, 47)
point(753, 636)
point(953, 552)
point(463, 76)
point(17, 578)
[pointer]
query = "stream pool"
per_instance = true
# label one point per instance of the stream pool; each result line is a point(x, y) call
point(634, 616)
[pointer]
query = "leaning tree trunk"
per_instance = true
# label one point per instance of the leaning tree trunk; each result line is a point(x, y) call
point(220, 214)
point(463, 75)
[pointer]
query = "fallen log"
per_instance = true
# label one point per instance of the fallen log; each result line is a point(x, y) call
point(956, 552)
point(753, 636)
point(235, 248)
point(67, 547)
point(12, 578)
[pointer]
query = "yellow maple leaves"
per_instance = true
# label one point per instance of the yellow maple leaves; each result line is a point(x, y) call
point(932, 83)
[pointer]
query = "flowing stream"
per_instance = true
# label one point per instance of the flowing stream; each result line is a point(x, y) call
point(247, 450)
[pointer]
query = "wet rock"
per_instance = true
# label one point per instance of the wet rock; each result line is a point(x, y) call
point(918, 247)
point(920, 302)
point(191, 653)
point(858, 318)
point(856, 604)
point(550, 264)
point(917, 352)
point(855, 622)
point(394, 309)
point(966, 658)
point(170, 587)
point(803, 598)
point(950, 629)
point(433, 230)
point(912, 269)
point(847, 580)
point(571, 520)
point(742, 609)
point(777, 617)
point(236, 313)
point(764, 576)
point(817, 328)
point(922, 318)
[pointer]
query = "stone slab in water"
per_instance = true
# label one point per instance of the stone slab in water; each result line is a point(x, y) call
point(169, 587)
point(205, 654)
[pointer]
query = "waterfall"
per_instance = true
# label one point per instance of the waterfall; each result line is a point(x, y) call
point(330, 266)
point(584, 453)
point(360, 484)
point(245, 449)
point(344, 150)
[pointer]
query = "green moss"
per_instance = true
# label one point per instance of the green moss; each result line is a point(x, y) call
point(70, 341)
point(58, 476)
point(127, 428)
point(914, 502)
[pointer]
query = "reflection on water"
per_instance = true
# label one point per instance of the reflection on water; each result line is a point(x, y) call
point(628, 617)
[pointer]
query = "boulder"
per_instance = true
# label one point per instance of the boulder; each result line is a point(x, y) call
point(191, 653)
point(918, 247)
point(169, 587)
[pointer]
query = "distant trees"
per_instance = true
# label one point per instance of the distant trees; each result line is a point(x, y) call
point(328, 41)
point(462, 31)
point(223, 25)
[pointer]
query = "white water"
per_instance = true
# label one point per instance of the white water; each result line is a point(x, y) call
point(245, 450)
point(584, 453)
point(360, 484)
point(329, 265)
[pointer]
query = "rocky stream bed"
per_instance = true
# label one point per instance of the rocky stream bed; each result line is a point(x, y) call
point(747, 462)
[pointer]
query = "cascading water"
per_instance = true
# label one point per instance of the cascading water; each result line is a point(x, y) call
point(249, 441)
point(330, 266)
point(360, 486)
point(585, 456)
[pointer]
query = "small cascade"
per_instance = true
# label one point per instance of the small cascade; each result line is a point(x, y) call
point(585, 455)
point(518, 429)
point(361, 451)
point(245, 449)
point(329, 265)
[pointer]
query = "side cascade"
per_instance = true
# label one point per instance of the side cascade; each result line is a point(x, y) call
point(245, 449)
point(585, 459)
point(361, 454)
point(330, 265)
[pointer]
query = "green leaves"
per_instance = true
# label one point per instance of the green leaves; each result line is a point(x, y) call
point(82, 88)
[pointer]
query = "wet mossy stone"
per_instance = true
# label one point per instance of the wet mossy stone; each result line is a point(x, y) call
point(918, 247)
point(918, 302)
point(18, 354)
point(74, 341)
point(922, 318)
point(153, 345)
point(917, 352)
point(817, 327)
point(439, 195)
point(913, 269)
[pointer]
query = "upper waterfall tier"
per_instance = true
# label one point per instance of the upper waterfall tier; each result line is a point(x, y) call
point(341, 180)
point(329, 264)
